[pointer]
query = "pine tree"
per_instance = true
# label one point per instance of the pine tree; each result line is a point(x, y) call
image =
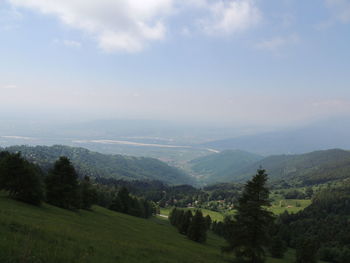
point(249, 232)
point(186, 222)
point(208, 221)
point(197, 230)
point(277, 247)
point(88, 195)
point(21, 179)
point(306, 251)
point(62, 185)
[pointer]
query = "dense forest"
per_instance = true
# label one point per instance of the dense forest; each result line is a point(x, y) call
point(95, 164)
point(297, 170)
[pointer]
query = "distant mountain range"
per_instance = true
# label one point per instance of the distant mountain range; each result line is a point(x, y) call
point(104, 165)
point(316, 136)
point(303, 169)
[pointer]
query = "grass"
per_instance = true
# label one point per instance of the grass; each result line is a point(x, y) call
point(278, 207)
point(215, 216)
point(290, 205)
point(49, 234)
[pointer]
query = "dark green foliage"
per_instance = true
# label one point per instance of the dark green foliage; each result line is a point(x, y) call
point(326, 221)
point(124, 203)
point(218, 228)
point(208, 221)
point(62, 187)
point(307, 169)
point(219, 167)
point(277, 247)
point(194, 226)
point(88, 194)
point(185, 222)
point(294, 194)
point(197, 230)
point(248, 234)
point(95, 164)
point(306, 251)
point(21, 179)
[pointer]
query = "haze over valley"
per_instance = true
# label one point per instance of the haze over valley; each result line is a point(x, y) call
point(174, 131)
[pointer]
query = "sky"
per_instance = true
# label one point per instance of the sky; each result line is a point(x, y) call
point(239, 62)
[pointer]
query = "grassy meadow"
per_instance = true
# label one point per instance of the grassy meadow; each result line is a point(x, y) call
point(48, 234)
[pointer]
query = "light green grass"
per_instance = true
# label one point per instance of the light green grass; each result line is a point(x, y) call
point(49, 234)
point(215, 216)
point(290, 205)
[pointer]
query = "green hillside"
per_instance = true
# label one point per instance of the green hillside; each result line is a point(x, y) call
point(301, 169)
point(305, 169)
point(220, 167)
point(53, 235)
point(103, 165)
point(50, 234)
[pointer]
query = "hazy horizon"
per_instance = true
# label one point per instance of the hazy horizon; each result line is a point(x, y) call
point(236, 63)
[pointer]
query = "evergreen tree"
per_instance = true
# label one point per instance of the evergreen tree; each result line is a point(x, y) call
point(208, 221)
point(62, 185)
point(125, 200)
point(172, 216)
point(277, 247)
point(186, 222)
point(306, 251)
point(116, 205)
point(88, 195)
point(249, 233)
point(197, 230)
point(21, 179)
point(179, 218)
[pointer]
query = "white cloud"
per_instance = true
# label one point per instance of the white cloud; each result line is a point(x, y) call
point(276, 43)
point(129, 25)
point(116, 25)
point(227, 17)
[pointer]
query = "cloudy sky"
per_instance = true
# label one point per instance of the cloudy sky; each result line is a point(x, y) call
point(280, 62)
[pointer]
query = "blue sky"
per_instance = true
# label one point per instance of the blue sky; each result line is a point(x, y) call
point(272, 62)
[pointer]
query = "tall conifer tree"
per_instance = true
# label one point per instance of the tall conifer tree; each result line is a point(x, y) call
point(62, 185)
point(249, 233)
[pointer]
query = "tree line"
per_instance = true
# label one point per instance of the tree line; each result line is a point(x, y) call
point(61, 186)
point(195, 226)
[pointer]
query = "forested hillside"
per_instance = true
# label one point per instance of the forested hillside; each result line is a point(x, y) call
point(304, 169)
point(323, 225)
point(220, 167)
point(102, 165)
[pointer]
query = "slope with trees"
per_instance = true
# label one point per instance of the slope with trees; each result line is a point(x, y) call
point(219, 167)
point(298, 170)
point(95, 164)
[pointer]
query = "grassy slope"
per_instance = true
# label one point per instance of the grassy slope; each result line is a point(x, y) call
point(50, 234)
point(55, 235)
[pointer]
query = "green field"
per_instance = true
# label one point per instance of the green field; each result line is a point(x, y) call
point(278, 207)
point(49, 234)
point(290, 205)
point(215, 216)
